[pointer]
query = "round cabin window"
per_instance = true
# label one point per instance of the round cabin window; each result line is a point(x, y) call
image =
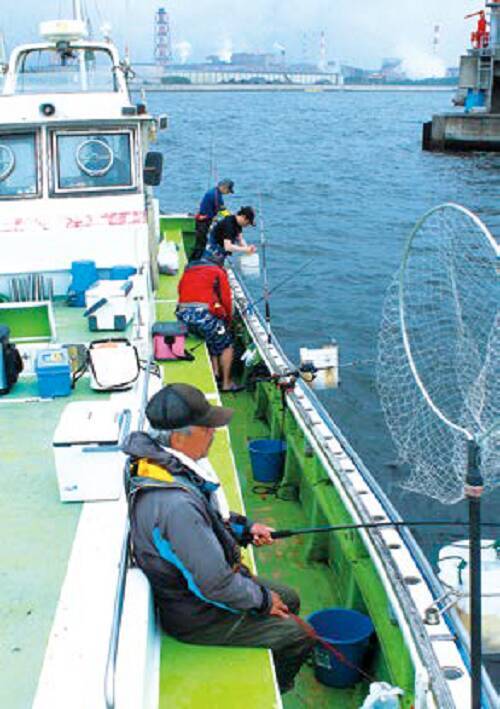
point(7, 161)
point(94, 157)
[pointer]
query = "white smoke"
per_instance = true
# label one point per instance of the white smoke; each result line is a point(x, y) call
point(183, 49)
point(226, 51)
point(419, 64)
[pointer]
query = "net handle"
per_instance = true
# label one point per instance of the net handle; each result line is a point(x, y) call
point(402, 319)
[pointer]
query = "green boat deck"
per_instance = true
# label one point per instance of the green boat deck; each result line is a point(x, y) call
point(327, 570)
point(198, 676)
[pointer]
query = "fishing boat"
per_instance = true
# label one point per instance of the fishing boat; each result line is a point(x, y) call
point(80, 230)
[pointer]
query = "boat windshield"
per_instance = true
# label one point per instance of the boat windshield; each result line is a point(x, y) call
point(65, 70)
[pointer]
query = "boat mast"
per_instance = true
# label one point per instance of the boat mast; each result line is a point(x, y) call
point(3, 53)
point(78, 15)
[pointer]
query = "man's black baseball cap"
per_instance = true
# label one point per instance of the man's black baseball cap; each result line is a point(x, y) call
point(179, 405)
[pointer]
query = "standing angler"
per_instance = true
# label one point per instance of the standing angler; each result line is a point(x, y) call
point(211, 204)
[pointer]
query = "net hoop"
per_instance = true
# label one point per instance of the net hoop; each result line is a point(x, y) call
point(406, 342)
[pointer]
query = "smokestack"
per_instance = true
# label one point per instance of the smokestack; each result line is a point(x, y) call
point(322, 52)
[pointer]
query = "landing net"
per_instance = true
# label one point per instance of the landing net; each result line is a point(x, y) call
point(438, 360)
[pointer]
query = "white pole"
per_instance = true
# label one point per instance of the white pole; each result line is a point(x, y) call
point(78, 15)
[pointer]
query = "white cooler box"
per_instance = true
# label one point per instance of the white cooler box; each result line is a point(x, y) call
point(86, 444)
point(109, 305)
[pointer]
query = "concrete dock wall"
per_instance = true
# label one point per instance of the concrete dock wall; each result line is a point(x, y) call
point(463, 132)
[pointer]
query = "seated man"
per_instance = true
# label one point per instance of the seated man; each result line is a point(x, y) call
point(226, 237)
point(205, 306)
point(187, 543)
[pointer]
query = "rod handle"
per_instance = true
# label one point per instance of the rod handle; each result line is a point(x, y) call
point(282, 534)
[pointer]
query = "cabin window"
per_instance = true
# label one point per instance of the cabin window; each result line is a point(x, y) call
point(65, 70)
point(18, 165)
point(99, 161)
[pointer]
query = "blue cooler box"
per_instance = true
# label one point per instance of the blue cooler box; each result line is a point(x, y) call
point(53, 373)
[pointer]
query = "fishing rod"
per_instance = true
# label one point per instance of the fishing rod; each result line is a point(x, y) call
point(212, 168)
point(284, 533)
point(282, 282)
point(266, 291)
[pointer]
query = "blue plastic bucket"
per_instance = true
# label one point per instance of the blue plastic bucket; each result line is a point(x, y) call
point(267, 457)
point(349, 632)
point(83, 275)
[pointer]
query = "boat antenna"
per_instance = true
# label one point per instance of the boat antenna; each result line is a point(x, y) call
point(265, 281)
point(438, 352)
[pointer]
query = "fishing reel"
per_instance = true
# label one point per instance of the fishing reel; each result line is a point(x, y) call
point(286, 381)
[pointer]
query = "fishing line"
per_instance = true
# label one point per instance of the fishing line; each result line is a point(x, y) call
point(280, 284)
point(309, 630)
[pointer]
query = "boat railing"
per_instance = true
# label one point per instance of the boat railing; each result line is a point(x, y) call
point(114, 638)
point(279, 366)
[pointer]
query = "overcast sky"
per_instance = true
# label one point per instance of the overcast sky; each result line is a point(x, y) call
point(359, 33)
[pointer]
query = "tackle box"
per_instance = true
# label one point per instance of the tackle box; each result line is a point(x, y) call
point(53, 373)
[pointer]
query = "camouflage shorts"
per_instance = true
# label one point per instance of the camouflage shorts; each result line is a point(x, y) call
point(213, 330)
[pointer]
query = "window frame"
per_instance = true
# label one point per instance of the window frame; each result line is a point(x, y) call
point(56, 191)
point(36, 133)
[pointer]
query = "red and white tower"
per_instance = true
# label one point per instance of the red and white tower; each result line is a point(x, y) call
point(163, 42)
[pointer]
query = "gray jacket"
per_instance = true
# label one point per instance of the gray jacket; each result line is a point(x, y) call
point(185, 549)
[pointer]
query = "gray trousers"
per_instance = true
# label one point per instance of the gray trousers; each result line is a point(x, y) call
point(289, 642)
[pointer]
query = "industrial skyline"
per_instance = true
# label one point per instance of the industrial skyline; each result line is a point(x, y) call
point(363, 36)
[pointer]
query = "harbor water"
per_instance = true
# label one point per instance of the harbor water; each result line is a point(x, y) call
point(342, 179)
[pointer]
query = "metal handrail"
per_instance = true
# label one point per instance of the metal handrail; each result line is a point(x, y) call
point(110, 673)
point(451, 616)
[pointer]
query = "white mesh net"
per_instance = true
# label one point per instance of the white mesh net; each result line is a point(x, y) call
point(446, 299)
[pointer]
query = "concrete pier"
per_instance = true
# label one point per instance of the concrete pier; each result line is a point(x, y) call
point(478, 126)
point(462, 131)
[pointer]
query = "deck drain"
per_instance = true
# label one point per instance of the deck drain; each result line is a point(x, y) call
point(378, 518)
point(362, 492)
point(411, 580)
point(394, 546)
point(452, 672)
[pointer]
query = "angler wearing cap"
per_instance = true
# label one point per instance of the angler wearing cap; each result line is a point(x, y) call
point(210, 206)
point(188, 543)
point(226, 237)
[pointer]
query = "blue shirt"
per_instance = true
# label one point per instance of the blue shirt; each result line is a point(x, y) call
point(211, 203)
